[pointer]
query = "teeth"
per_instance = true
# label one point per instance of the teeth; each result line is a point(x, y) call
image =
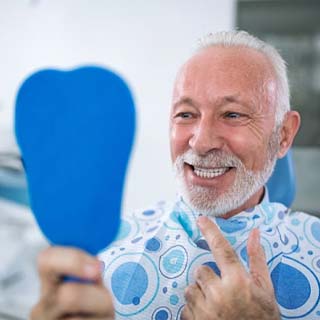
point(209, 173)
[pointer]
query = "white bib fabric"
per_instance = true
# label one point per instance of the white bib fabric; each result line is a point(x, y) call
point(157, 250)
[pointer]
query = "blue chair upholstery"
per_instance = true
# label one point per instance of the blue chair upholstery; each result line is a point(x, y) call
point(282, 183)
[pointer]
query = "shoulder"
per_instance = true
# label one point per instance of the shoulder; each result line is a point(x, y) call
point(296, 217)
point(288, 215)
point(141, 223)
point(304, 224)
point(146, 217)
point(153, 212)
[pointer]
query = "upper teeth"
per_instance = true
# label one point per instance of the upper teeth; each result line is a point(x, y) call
point(209, 173)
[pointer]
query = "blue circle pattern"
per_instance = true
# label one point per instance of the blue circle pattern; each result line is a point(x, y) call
point(148, 212)
point(129, 273)
point(130, 280)
point(315, 230)
point(174, 299)
point(311, 232)
point(162, 313)
point(153, 244)
point(173, 262)
point(134, 282)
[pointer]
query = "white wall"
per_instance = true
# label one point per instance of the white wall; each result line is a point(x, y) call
point(145, 41)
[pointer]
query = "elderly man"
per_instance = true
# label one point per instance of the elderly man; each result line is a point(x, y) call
point(201, 258)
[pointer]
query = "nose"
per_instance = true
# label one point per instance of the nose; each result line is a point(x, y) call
point(206, 138)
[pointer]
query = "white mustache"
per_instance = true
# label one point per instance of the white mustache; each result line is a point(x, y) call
point(216, 158)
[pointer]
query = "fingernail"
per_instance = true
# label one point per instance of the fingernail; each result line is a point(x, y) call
point(201, 221)
point(91, 269)
point(256, 242)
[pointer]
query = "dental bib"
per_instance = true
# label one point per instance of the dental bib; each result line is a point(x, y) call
point(75, 130)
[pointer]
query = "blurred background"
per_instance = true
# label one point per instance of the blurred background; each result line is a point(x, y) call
point(146, 42)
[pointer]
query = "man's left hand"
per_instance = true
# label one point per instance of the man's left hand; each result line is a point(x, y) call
point(237, 294)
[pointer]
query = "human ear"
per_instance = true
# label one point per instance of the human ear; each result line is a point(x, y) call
point(289, 129)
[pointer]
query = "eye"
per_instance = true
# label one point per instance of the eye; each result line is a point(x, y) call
point(235, 118)
point(184, 115)
point(233, 115)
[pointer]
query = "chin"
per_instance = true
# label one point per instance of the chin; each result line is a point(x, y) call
point(210, 202)
point(204, 202)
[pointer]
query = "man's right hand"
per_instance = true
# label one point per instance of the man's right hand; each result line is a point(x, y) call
point(68, 300)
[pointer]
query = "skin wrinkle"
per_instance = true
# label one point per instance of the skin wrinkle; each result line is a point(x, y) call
point(215, 81)
point(263, 84)
point(263, 95)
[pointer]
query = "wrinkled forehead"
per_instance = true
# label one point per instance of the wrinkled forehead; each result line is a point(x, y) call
point(227, 70)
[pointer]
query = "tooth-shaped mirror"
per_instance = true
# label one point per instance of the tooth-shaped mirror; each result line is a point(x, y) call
point(75, 130)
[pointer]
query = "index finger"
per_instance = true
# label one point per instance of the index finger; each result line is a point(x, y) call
point(225, 257)
point(56, 262)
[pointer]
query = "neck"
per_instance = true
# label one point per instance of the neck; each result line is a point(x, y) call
point(252, 202)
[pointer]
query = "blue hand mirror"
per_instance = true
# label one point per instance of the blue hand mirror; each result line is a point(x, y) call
point(75, 130)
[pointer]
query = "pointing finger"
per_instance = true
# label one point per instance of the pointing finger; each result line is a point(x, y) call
point(221, 249)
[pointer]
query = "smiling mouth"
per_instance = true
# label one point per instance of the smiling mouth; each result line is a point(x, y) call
point(208, 173)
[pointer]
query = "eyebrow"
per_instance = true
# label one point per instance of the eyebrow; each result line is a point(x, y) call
point(230, 99)
point(220, 101)
point(184, 100)
point(235, 99)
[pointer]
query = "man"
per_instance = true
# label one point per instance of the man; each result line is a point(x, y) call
point(201, 258)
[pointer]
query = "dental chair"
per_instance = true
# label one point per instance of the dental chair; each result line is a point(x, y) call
point(282, 183)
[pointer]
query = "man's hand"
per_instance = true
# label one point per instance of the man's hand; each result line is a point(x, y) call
point(237, 294)
point(67, 299)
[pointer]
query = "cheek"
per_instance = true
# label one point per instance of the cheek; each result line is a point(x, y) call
point(237, 142)
point(179, 141)
point(249, 150)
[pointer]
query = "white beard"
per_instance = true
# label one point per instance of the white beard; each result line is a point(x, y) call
point(206, 200)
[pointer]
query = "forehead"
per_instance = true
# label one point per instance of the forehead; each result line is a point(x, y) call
point(226, 71)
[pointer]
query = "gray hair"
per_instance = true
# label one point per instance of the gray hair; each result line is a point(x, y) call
point(244, 39)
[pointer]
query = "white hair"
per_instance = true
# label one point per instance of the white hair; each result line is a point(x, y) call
point(244, 39)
